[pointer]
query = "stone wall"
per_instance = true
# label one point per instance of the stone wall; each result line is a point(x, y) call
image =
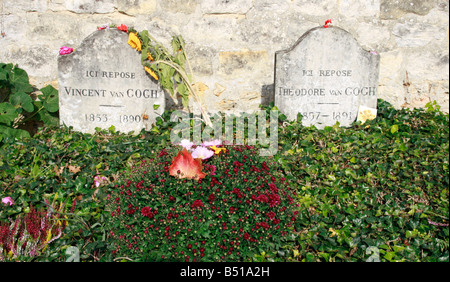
point(231, 43)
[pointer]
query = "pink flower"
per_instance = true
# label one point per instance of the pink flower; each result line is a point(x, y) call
point(98, 179)
point(105, 26)
point(186, 144)
point(202, 153)
point(211, 168)
point(65, 50)
point(8, 200)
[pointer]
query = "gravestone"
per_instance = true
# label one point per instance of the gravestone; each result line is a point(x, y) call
point(326, 76)
point(103, 84)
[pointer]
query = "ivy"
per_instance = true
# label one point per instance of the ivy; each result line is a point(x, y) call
point(364, 193)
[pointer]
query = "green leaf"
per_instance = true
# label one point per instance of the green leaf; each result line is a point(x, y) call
point(49, 119)
point(23, 100)
point(112, 129)
point(7, 113)
point(19, 80)
point(310, 257)
point(145, 38)
point(394, 128)
point(144, 55)
point(7, 131)
point(50, 97)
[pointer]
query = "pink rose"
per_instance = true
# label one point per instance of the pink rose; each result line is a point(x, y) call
point(65, 50)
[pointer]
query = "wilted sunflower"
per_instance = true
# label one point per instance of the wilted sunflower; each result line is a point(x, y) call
point(134, 41)
point(152, 73)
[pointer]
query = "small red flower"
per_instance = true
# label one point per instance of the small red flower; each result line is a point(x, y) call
point(147, 212)
point(197, 204)
point(326, 23)
point(271, 215)
point(122, 27)
point(273, 187)
point(262, 198)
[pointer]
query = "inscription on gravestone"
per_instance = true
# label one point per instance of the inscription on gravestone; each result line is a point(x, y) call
point(103, 83)
point(326, 76)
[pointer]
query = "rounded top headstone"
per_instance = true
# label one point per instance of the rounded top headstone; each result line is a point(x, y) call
point(325, 76)
point(103, 84)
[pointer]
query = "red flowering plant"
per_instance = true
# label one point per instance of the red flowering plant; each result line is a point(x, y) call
point(30, 233)
point(231, 206)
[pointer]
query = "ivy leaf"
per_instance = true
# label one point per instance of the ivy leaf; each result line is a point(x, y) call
point(394, 128)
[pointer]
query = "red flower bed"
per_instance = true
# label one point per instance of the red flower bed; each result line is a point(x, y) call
point(240, 207)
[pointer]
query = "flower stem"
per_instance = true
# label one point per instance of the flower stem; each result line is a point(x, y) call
point(191, 90)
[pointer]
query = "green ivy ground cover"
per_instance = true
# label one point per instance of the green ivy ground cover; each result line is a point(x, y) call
point(377, 191)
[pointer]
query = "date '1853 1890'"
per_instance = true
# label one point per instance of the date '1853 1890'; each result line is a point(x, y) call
point(105, 118)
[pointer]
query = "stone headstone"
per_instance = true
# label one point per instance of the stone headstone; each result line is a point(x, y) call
point(326, 76)
point(103, 84)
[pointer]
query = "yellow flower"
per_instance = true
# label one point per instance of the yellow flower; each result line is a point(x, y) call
point(152, 73)
point(134, 41)
point(150, 57)
point(217, 150)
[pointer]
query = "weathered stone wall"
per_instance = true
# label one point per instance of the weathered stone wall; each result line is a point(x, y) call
point(231, 43)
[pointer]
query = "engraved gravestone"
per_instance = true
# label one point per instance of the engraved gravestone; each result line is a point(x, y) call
point(103, 84)
point(326, 76)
